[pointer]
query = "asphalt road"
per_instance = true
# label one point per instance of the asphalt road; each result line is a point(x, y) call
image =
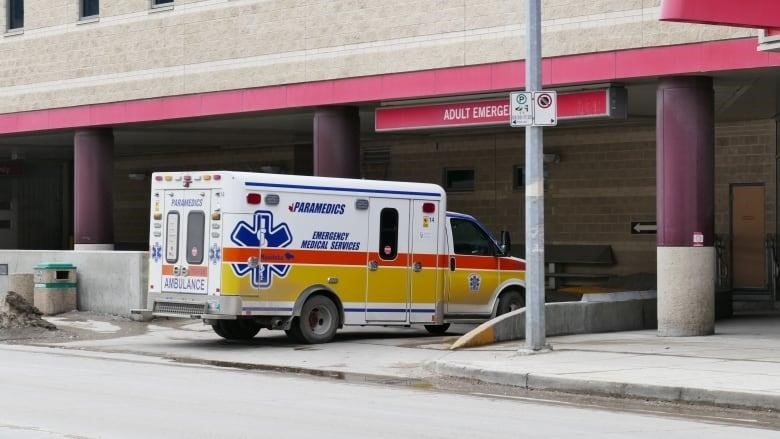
point(64, 394)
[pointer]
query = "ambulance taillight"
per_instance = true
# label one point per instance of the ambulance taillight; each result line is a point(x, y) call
point(253, 198)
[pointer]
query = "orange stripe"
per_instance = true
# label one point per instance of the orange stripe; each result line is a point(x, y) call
point(467, 262)
point(192, 270)
point(197, 270)
point(509, 264)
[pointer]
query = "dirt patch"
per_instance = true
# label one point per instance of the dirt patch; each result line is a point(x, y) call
point(16, 312)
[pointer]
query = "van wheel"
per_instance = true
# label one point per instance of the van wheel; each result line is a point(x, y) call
point(294, 333)
point(437, 329)
point(510, 301)
point(236, 329)
point(318, 322)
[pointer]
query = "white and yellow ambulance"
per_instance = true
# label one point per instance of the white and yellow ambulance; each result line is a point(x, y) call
point(244, 251)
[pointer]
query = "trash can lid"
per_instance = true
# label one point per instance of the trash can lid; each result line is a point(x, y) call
point(54, 266)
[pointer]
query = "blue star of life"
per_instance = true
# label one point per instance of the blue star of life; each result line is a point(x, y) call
point(275, 236)
point(156, 251)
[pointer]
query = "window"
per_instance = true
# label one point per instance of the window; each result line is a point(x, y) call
point(15, 14)
point(459, 179)
point(161, 2)
point(172, 238)
point(388, 234)
point(90, 8)
point(519, 177)
point(469, 239)
point(196, 225)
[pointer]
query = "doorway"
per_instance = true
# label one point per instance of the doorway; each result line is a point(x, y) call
point(748, 232)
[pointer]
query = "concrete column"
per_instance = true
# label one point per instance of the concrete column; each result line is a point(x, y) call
point(337, 142)
point(685, 204)
point(93, 184)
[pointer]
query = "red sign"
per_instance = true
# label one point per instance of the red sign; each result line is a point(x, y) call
point(574, 105)
point(11, 168)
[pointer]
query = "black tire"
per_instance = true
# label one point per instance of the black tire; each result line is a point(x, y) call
point(318, 322)
point(437, 329)
point(240, 329)
point(510, 301)
point(294, 333)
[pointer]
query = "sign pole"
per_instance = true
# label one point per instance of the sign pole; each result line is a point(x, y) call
point(534, 191)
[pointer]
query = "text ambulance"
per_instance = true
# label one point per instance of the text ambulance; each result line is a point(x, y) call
point(245, 251)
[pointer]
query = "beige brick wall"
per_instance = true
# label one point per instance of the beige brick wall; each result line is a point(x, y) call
point(131, 205)
point(604, 181)
point(198, 46)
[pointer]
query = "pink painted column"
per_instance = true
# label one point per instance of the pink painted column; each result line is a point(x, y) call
point(685, 206)
point(337, 142)
point(93, 159)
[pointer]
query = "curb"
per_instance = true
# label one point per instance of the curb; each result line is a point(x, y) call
point(719, 398)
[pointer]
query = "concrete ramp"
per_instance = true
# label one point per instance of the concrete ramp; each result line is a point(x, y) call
point(564, 318)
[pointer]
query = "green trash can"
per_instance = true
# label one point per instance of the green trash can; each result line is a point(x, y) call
point(54, 289)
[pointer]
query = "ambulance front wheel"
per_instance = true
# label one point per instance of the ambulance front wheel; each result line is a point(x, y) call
point(437, 329)
point(317, 323)
point(236, 329)
point(510, 301)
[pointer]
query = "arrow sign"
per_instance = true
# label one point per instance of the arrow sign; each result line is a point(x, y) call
point(642, 228)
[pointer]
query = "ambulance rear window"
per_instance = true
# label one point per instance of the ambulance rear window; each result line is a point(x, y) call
point(196, 225)
point(172, 238)
point(388, 234)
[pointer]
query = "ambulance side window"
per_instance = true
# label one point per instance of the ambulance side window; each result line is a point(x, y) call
point(469, 239)
point(196, 225)
point(388, 234)
point(172, 238)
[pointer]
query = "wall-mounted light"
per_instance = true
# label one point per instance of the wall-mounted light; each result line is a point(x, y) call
point(551, 158)
point(137, 176)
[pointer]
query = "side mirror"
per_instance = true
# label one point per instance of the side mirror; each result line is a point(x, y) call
point(506, 243)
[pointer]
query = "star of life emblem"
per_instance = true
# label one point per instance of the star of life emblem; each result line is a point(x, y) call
point(261, 233)
point(474, 282)
point(215, 254)
point(156, 252)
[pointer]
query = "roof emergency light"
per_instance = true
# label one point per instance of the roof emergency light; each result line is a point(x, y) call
point(429, 207)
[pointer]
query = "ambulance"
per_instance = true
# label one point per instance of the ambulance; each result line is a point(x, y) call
point(308, 255)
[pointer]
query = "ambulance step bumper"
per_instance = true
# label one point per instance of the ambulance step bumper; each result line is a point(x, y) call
point(179, 309)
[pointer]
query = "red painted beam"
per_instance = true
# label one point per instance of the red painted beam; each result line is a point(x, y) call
point(601, 67)
point(760, 14)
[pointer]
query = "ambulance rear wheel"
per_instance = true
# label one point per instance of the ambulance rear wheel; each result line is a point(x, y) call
point(318, 321)
point(510, 301)
point(236, 329)
point(437, 329)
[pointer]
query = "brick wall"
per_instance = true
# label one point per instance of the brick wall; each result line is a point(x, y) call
point(604, 181)
point(133, 52)
point(131, 205)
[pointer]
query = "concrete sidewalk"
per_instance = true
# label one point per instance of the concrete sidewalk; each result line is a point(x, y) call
point(739, 366)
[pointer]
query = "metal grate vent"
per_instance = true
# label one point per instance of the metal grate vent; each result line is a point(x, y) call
point(184, 309)
point(378, 155)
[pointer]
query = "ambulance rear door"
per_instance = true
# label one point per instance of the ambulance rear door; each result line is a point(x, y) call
point(185, 232)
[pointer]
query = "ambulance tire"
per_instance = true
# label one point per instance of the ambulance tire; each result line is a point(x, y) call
point(294, 333)
point(510, 301)
point(318, 321)
point(437, 329)
point(236, 329)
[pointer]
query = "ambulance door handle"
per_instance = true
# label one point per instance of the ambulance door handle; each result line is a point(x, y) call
point(176, 270)
point(452, 264)
point(184, 271)
point(252, 261)
point(373, 266)
point(417, 267)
